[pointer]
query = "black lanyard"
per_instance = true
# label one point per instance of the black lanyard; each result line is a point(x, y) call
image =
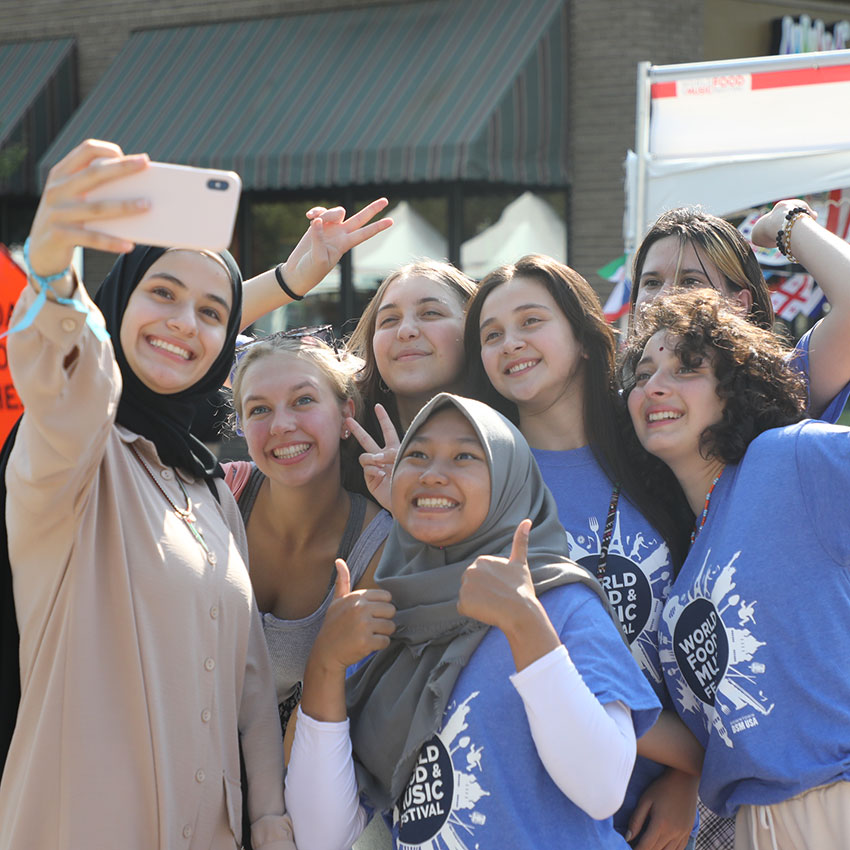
point(602, 563)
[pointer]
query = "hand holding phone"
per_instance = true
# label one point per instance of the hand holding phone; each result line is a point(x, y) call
point(187, 207)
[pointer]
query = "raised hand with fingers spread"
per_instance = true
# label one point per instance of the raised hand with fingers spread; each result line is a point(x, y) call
point(328, 236)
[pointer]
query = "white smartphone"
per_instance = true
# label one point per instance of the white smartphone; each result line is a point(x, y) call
point(189, 207)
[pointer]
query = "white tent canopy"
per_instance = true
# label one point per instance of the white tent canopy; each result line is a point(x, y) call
point(731, 135)
point(527, 225)
point(410, 238)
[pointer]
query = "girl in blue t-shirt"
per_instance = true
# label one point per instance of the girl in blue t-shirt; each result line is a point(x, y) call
point(754, 633)
point(500, 705)
point(539, 348)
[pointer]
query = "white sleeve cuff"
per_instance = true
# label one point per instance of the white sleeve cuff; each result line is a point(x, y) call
point(321, 759)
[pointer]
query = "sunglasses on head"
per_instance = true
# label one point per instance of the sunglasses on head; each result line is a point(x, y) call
point(317, 334)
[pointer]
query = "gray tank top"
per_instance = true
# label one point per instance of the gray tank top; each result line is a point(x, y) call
point(290, 641)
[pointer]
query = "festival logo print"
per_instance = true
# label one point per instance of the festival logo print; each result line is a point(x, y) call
point(437, 810)
point(637, 578)
point(713, 652)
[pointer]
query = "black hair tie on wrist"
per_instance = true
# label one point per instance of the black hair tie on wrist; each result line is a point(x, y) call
point(278, 273)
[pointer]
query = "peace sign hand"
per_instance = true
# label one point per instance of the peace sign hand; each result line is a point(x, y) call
point(329, 235)
point(377, 462)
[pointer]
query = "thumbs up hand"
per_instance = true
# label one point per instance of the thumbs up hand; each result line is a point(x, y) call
point(499, 591)
point(357, 623)
point(494, 590)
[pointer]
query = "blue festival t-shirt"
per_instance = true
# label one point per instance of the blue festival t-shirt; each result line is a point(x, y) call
point(637, 578)
point(754, 636)
point(800, 360)
point(479, 782)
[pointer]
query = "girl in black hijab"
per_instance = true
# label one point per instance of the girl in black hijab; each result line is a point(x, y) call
point(143, 662)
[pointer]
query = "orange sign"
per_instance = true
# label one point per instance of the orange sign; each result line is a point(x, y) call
point(12, 281)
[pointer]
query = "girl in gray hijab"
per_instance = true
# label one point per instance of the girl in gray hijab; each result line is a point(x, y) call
point(498, 704)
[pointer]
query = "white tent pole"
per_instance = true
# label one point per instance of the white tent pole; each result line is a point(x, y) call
point(642, 151)
point(636, 193)
point(728, 67)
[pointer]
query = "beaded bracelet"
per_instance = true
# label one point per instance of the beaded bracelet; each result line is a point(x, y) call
point(278, 273)
point(783, 235)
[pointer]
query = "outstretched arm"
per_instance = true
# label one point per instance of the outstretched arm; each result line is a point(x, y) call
point(827, 259)
point(329, 235)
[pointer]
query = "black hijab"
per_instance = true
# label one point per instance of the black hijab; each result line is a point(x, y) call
point(164, 419)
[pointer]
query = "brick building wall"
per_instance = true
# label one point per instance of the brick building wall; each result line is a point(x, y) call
point(607, 40)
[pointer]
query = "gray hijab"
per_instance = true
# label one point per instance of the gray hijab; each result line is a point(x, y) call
point(397, 698)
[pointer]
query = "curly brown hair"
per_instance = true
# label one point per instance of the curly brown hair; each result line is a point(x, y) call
point(755, 375)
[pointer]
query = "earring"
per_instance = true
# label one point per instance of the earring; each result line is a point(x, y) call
point(383, 387)
point(346, 434)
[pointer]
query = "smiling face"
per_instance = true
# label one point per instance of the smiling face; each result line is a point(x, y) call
point(672, 263)
point(441, 484)
point(672, 404)
point(175, 323)
point(528, 347)
point(418, 339)
point(292, 419)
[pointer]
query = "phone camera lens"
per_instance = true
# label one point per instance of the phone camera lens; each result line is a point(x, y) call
point(220, 185)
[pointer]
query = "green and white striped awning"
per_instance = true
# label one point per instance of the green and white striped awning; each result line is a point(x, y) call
point(440, 90)
point(38, 93)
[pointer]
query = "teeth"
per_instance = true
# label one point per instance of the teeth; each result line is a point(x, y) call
point(174, 349)
point(521, 367)
point(664, 414)
point(435, 503)
point(291, 451)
